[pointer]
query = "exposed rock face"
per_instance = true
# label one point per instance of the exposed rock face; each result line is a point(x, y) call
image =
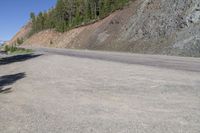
point(147, 26)
point(165, 27)
point(187, 41)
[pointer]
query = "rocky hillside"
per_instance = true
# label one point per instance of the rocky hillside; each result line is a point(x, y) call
point(22, 34)
point(169, 27)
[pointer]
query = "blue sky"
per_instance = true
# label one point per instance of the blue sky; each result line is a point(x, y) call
point(15, 13)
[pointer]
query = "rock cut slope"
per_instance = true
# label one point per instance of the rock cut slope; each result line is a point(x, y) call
point(145, 26)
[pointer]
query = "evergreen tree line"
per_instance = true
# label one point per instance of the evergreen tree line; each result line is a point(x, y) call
point(71, 13)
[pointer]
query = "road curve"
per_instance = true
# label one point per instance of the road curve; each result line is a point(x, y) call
point(161, 61)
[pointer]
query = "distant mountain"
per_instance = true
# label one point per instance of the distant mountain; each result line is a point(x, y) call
point(2, 42)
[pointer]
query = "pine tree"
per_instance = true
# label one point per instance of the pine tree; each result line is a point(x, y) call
point(71, 13)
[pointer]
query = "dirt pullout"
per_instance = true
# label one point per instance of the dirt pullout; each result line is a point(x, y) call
point(59, 94)
point(145, 26)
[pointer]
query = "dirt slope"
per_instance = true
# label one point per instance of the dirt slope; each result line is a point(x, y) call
point(146, 26)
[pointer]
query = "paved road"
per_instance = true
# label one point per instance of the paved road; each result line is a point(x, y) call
point(170, 62)
point(100, 92)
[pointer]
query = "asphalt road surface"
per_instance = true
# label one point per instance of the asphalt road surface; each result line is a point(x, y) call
point(170, 62)
point(74, 91)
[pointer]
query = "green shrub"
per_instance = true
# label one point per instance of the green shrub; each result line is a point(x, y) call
point(51, 42)
point(15, 50)
point(20, 41)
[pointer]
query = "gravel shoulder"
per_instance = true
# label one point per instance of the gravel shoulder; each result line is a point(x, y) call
point(60, 93)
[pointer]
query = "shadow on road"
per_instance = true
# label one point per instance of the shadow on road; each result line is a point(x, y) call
point(9, 80)
point(17, 58)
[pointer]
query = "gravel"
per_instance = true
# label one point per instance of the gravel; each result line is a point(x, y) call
point(62, 94)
